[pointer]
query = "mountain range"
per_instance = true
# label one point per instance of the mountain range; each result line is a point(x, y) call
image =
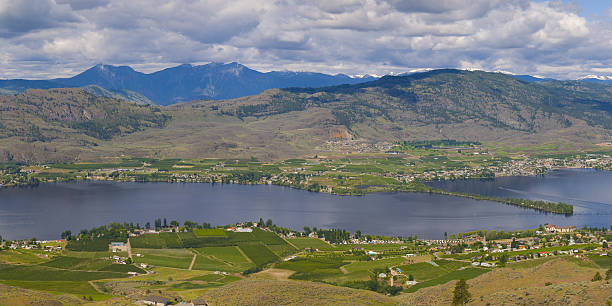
point(75, 124)
point(182, 83)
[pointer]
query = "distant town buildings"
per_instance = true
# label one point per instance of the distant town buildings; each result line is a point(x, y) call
point(551, 228)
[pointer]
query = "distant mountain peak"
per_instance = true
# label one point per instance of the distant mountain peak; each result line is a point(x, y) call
point(596, 77)
point(187, 82)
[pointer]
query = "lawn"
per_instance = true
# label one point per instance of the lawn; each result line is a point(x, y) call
point(173, 258)
point(258, 253)
point(307, 242)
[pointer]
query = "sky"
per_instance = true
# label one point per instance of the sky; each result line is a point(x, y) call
point(58, 38)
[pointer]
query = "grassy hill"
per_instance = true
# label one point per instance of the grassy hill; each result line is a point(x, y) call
point(70, 124)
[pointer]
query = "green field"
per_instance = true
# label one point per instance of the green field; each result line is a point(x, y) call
point(467, 273)
point(211, 264)
point(173, 258)
point(230, 257)
point(313, 268)
point(281, 250)
point(268, 238)
point(75, 263)
point(374, 264)
point(602, 261)
point(122, 268)
point(314, 243)
point(20, 256)
point(258, 253)
point(59, 287)
point(215, 232)
point(36, 273)
point(424, 271)
point(93, 245)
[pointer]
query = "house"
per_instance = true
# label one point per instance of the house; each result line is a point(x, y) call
point(156, 300)
point(411, 283)
point(117, 246)
point(551, 228)
point(199, 302)
point(244, 230)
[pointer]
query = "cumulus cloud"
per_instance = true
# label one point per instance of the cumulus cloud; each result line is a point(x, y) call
point(48, 38)
point(23, 16)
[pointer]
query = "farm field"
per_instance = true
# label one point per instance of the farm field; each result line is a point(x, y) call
point(173, 258)
point(466, 274)
point(602, 261)
point(258, 253)
point(307, 242)
point(227, 258)
point(214, 232)
point(22, 256)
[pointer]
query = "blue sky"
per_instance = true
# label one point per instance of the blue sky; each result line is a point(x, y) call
point(590, 8)
point(57, 38)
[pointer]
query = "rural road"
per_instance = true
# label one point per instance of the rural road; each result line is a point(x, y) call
point(192, 261)
point(129, 249)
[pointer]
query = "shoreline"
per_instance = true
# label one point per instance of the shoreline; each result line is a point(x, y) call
point(415, 187)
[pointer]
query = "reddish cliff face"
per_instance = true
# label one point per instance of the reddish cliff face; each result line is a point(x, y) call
point(339, 133)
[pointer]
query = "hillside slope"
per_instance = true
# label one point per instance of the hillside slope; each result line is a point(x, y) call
point(59, 123)
point(281, 123)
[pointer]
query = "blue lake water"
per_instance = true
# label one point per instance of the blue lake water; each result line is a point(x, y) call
point(47, 210)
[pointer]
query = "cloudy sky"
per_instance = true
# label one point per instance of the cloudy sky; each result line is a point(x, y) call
point(56, 38)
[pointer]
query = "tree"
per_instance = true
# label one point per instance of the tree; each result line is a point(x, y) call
point(190, 224)
point(165, 223)
point(604, 245)
point(597, 277)
point(66, 235)
point(410, 277)
point(174, 223)
point(269, 223)
point(445, 236)
point(609, 274)
point(503, 259)
point(461, 295)
point(148, 225)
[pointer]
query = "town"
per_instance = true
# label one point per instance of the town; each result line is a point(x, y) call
point(212, 257)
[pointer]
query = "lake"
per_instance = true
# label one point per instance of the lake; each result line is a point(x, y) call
point(47, 210)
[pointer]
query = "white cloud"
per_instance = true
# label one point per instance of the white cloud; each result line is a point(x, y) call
point(48, 38)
